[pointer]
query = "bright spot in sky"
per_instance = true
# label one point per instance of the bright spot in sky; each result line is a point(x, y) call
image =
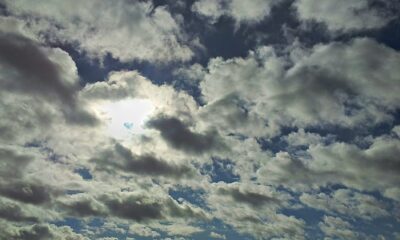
point(126, 117)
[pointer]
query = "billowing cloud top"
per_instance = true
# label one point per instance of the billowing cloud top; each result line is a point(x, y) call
point(204, 119)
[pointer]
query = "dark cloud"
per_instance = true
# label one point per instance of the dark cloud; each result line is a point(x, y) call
point(83, 208)
point(38, 74)
point(134, 208)
point(12, 212)
point(122, 158)
point(13, 162)
point(26, 192)
point(251, 198)
point(30, 71)
point(37, 232)
point(181, 137)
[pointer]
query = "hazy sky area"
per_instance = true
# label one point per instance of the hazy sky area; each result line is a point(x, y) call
point(199, 119)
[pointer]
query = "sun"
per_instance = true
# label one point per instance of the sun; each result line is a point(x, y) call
point(125, 117)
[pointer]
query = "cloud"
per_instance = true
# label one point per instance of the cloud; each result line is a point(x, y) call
point(181, 137)
point(179, 229)
point(42, 72)
point(26, 192)
point(272, 91)
point(346, 15)
point(150, 33)
point(302, 138)
point(37, 73)
point(217, 235)
point(136, 206)
point(13, 161)
point(241, 12)
point(121, 158)
point(132, 85)
point(13, 212)
point(336, 227)
point(253, 199)
point(83, 205)
point(39, 85)
point(39, 232)
point(290, 123)
point(393, 193)
point(252, 209)
point(347, 202)
point(142, 230)
point(338, 163)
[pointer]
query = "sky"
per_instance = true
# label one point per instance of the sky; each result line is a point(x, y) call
point(199, 119)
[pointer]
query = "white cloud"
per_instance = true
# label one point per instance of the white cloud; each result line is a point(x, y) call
point(343, 15)
point(143, 230)
point(241, 11)
point(265, 91)
point(52, 129)
point(337, 228)
point(348, 203)
point(127, 30)
point(303, 138)
point(217, 235)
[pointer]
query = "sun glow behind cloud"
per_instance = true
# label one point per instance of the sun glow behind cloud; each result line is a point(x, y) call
point(125, 117)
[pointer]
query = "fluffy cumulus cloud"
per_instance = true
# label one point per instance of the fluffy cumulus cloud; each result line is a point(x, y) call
point(264, 89)
point(292, 140)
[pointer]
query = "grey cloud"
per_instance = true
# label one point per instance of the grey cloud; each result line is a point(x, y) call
point(339, 163)
point(253, 199)
point(234, 116)
point(137, 207)
point(184, 211)
point(150, 165)
point(252, 209)
point(122, 158)
point(38, 73)
point(144, 32)
point(26, 192)
point(347, 15)
point(36, 232)
point(347, 202)
point(39, 232)
point(134, 208)
point(84, 208)
point(13, 162)
point(30, 71)
point(179, 136)
point(337, 228)
point(13, 212)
